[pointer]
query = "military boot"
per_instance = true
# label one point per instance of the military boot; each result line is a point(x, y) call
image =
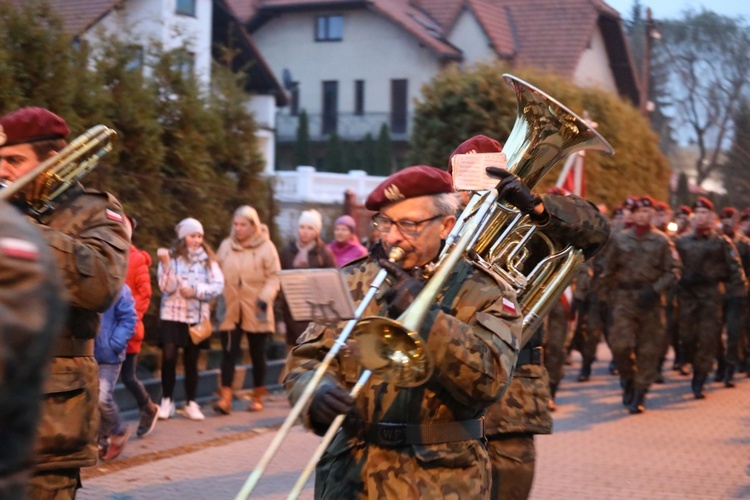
point(627, 391)
point(721, 367)
point(551, 405)
point(638, 404)
point(697, 385)
point(585, 374)
point(660, 374)
point(728, 376)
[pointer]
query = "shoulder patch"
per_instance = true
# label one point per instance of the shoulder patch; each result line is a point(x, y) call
point(19, 249)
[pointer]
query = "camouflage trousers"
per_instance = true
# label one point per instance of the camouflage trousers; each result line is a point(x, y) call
point(589, 328)
point(700, 329)
point(556, 341)
point(636, 339)
point(513, 457)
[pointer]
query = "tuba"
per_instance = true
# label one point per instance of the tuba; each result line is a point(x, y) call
point(52, 178)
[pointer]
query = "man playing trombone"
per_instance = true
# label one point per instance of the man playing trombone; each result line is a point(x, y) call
point(424, 441)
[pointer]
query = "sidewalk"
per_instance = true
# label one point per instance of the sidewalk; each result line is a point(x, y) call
point(679, 448)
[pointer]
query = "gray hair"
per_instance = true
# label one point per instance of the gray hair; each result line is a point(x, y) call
point(446, 203)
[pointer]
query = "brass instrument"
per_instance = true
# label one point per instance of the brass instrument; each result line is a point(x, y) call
point(55, 176)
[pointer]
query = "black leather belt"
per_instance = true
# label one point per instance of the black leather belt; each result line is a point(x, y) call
point(530, 356)
point(69, 347)
point(391, 434)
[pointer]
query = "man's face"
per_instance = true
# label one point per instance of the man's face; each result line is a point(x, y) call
point(703, 218)
point(660, 219)
point(16, 160)
point(423, 244)
point(727, 225)
point(642, 216)
point(682, 222)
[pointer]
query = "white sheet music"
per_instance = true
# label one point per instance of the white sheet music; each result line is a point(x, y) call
point(469, 170)
point(317, 295)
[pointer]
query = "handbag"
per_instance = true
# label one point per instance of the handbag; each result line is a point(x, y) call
point(201, 331)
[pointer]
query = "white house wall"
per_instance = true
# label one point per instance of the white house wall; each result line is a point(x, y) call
point(156, 20)
point(593, 68)
point(373, 49)
point(468, 35)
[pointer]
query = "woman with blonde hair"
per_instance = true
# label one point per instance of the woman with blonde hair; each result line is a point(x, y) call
point(250, 265)
point(189, 278)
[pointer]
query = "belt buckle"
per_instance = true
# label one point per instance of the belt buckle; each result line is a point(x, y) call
point(391, 434)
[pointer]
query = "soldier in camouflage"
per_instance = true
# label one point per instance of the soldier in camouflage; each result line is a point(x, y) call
point(427, 441)
point(641, 266)
point(735, 311)
point(86, 233)
point(744, 228)
point(33, 311)
point(709, 259)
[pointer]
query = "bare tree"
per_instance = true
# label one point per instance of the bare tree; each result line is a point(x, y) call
point(708, 58)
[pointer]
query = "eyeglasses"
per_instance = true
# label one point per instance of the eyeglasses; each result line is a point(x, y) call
point(407, 227)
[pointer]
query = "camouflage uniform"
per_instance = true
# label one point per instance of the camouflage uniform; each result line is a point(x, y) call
point(471, 334)
point(591, 314)
point(556, 341)
point(736, 317)
point(709, 259)
point(636, 264)
point(523, 410)
point(33, 311)
point(89, 242)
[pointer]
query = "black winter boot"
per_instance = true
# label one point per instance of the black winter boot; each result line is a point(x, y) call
point(660, 375)
point(585, 374)
point(721, 367)
point(728, 376)
point(638, 404)
point(627, 391)
point(697, 385)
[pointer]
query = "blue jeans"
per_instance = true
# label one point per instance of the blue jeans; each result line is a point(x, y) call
point(111, 420)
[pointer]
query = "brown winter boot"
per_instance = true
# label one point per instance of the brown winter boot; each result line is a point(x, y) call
point(224, 405)
point(256, 400)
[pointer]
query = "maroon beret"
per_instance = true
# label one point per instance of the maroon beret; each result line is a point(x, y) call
point(477, 144)
point(629, 203)
point(644, 202)
point(727, 212)
point(684, 210)
point(745, 214)
point(661, 206)
point(702, 202)
point(410, 182)
point(617, 211)
point(557, 190)
point(31, 125)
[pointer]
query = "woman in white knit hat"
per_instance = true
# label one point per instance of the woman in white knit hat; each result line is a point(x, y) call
point(189, 278)
point(307, 251)
point(250, 264)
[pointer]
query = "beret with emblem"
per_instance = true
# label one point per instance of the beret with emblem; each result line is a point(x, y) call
point(477, 144)
point(629, 203)
point(644, 202)
point(727, 212)
point(661, 206)
point(684, 210)
point(410, 182)
point(702, 202)
point(745, 214)
point(31, 125)
point(617, 211)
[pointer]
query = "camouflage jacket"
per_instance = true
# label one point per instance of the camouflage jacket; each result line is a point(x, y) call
point(33, 311)
point(90, 246)
point(710, 259)
point(637, 262)
point(742, 243)
point(471, 334)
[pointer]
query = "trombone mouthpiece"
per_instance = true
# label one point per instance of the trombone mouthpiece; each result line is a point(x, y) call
point(396, 254)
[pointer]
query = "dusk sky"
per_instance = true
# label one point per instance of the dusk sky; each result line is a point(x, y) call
point(665, 9)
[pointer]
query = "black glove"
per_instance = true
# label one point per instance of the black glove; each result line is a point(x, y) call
point(647, 298)
point(329, 401)
point(514, 191)
point(402, 292)
point(261, 309)
point(692, 278)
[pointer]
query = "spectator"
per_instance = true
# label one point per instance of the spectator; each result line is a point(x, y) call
point(250, 265)
point(308, 251)
point(139, 281)
point(189, 277)
point(118, 325)
point(345, 245)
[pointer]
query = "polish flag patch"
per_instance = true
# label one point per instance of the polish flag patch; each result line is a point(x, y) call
point(19, 249)
point(112, 215)
point(509, 306)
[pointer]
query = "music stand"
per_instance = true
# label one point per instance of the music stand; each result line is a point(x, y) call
point(319, 295)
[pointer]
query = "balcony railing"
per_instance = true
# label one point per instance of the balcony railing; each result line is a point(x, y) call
point(348, 126)
point(305, 184)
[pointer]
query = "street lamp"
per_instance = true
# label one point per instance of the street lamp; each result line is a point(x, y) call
point(651, 33)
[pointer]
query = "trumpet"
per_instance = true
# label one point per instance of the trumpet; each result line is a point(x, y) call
point(55, 176)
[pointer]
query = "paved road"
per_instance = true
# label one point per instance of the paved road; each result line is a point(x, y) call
point(680, 448)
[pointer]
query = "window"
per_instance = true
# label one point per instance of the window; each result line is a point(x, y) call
point(135, 54)
point(330, 106)
point(399, 92)
point(294, 104)
point(329, 28)
point(359, 97)
point(186, 7)
point(185, 64)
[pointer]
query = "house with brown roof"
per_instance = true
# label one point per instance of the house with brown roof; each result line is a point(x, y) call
point(353, 65)
point(198, 27)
